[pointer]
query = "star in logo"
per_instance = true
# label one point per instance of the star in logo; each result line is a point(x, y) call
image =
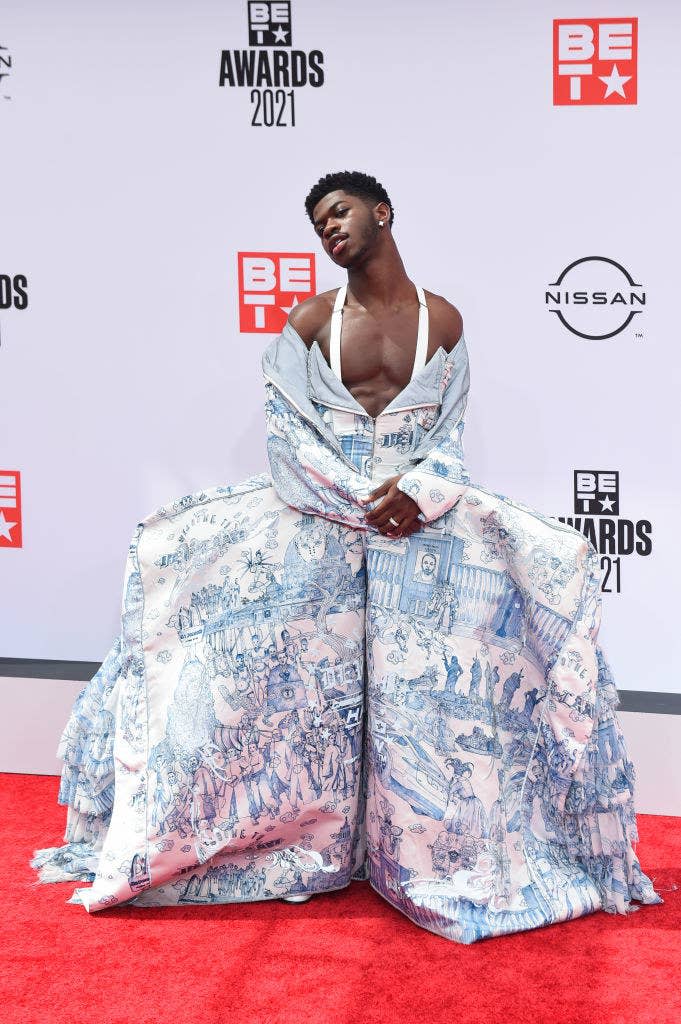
point(614, 82)
point(6, 527)
point(607, 504)
point(287, 309)
point(280, 35)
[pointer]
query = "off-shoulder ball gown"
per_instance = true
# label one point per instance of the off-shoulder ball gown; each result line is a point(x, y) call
point(296, 699)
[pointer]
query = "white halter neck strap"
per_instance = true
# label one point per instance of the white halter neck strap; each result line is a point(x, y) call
point(336, 325)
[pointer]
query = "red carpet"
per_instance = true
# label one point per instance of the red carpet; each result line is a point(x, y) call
point(343, 958)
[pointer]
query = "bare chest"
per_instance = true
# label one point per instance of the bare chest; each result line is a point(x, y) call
point(377, 355)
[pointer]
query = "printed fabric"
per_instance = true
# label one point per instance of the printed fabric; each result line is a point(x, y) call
point(296, 700)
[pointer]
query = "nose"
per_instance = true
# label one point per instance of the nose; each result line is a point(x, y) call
point(331, 227)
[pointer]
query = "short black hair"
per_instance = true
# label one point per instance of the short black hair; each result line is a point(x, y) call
point(355, 183)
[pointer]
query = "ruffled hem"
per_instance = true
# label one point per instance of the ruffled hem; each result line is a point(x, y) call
point(597, 828)
point(76, 862)
point(87, 780)
point(86, 747)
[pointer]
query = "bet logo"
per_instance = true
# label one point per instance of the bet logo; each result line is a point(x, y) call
point(269, 24)
point(595, 61)
point(597, 492)
point(10, 508)
point(270, 285)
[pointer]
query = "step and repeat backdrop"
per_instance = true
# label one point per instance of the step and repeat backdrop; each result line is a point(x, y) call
point(155, 160)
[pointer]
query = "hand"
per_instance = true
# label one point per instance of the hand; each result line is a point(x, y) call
point(395, 505)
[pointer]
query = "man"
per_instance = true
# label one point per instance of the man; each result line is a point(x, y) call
point(369, 447)
point(426, 570)
point(353, 217)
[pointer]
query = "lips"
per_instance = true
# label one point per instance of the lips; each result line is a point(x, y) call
point(337, 244)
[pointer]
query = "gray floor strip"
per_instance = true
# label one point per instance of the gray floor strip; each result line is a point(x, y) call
point(650, 703)
point(640, 701)
point(32, 668)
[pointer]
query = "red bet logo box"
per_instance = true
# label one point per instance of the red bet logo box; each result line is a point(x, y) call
point(595, 61)
point(270, 285)
point(10, 508)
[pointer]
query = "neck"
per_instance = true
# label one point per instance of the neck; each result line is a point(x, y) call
point(381, 279)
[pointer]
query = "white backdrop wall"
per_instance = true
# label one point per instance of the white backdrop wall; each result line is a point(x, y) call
point(132, 179)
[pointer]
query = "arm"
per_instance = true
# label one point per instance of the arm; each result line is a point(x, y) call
point(308, 473)
point(439, 478)
point(433, 486)
point(307, 319)
point(309, 469)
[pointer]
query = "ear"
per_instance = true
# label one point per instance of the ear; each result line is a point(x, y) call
point(382, 213)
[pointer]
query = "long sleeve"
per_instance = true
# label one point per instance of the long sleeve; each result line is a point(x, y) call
point(307, 472)
point(439, 477)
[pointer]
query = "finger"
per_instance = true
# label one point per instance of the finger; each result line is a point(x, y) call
point(390, 530)
point(383, 489)
point(401, 534)
point(410, 530)
point(387, 504)
point(409, 519)
point(386, 514)
point(407, 528)
point(387, 528)
point(396, 505)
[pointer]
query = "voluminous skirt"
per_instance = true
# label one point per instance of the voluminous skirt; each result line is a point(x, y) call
point(293, 703)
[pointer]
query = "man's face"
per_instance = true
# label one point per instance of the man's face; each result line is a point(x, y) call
point(428, 565)
point(346, 226)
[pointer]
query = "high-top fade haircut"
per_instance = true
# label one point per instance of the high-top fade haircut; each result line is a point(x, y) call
point(355, 183)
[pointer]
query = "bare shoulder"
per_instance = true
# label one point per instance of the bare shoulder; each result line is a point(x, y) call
point(308, 317)
point(445, 320)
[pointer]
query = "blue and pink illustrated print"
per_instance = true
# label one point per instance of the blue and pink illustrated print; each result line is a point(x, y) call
point(296, 700)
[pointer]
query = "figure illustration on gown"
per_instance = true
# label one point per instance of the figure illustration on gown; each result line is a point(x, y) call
point(299, 697)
